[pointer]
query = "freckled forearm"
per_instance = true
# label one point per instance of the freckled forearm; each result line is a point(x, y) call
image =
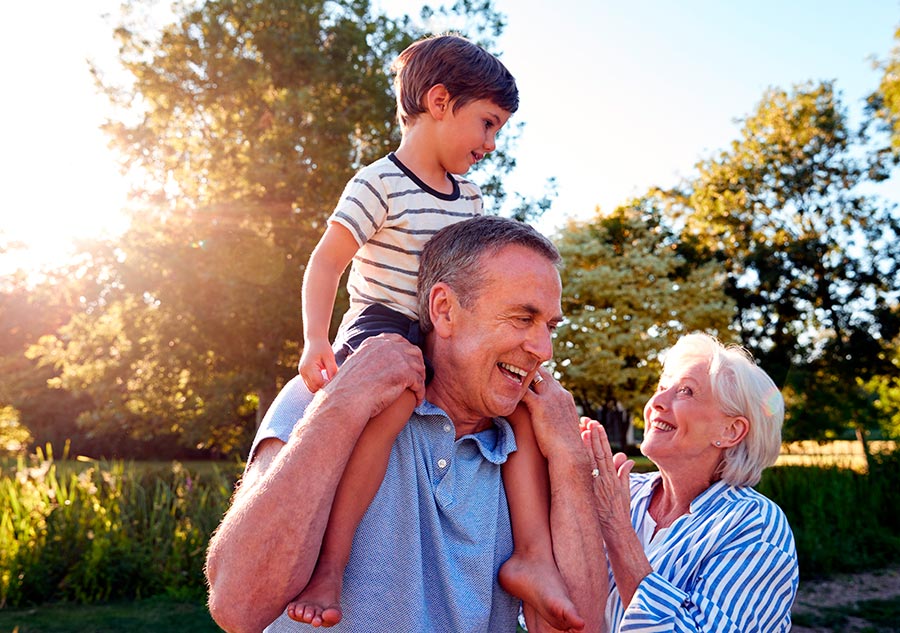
point(265, 550)
point(577, 541)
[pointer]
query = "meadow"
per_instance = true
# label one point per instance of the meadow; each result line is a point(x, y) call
point(115, 535)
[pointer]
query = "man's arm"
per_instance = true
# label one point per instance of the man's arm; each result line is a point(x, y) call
point(264, 551)
point(577, 541)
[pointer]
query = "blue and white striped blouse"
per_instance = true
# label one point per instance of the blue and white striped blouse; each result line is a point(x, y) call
point(730, 565)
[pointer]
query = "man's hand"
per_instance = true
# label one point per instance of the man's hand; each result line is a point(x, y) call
point(378, 372)
point(554, 418)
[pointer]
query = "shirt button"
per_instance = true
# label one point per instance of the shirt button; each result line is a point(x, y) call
point(448, 428)
point(442, 463)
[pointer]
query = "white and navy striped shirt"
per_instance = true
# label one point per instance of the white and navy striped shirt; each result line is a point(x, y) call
point(392, 213)
point(730, 565)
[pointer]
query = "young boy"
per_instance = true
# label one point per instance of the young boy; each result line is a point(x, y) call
point(452, 99)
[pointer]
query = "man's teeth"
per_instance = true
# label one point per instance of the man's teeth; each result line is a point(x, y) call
point(521, 373)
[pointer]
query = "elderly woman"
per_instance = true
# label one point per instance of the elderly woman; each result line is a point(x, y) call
point(693, 547)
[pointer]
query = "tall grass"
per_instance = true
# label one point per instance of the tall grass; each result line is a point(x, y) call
point(843, 520)
point(111, 531)
point(103, 531)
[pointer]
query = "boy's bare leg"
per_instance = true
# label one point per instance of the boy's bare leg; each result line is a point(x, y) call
point(319, 603)
point(531, 573)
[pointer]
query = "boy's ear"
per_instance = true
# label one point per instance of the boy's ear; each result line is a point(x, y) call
point(437, 101)
point(442, 307)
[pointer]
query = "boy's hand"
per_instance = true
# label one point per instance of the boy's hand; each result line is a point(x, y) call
point(317, 365)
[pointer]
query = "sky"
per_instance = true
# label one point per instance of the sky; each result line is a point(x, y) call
point(616, 97)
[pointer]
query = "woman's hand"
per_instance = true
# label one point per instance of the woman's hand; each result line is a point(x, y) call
point(611, 487)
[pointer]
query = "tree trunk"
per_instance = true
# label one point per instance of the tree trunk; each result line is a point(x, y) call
point(861, 436)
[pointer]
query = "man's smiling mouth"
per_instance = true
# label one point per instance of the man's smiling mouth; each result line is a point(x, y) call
point(515, 372)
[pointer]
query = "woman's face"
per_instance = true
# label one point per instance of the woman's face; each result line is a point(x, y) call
point(683, 419)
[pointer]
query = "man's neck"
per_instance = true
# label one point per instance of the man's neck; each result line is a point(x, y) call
point(466, 422)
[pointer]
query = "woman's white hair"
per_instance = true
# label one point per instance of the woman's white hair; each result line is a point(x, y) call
point(741, 388)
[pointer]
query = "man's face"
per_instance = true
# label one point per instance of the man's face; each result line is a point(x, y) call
point(498, 343)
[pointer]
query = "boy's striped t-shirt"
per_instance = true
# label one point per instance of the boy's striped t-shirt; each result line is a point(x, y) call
point(391, 213)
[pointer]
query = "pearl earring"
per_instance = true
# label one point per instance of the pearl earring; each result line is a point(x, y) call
point(718, 443)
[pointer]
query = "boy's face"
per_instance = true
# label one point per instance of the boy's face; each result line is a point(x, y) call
point(468, 134)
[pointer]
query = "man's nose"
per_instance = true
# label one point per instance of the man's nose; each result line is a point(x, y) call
point(540, 343)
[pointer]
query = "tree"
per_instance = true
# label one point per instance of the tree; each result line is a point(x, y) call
point(813, 263)
point(29, 309)
point(245, 120)
point(884, 108)
point(632, 287)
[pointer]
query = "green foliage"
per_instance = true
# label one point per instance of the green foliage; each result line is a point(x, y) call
point(244, 120)
point(27, 311)
point(106, 532)
point(813, 263)
point(843, 521)
point(631, 288)
point(14, 438)
point(886, 391)
point(884, 106)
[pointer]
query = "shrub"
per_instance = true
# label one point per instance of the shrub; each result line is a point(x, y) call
point(111, 531)
point(843, 521)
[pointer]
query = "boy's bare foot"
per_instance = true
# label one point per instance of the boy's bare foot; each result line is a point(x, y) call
point(539, 584)
point(319, 604)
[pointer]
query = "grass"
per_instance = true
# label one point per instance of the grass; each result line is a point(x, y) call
point(879, 616)
point(116, 546)
point(143, 616)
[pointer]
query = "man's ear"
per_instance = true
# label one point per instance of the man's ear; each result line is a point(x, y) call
point(442, 305)
point(437, 101)
point(735, 431)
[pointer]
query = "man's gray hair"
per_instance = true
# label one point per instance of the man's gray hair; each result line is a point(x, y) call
point(454, 257)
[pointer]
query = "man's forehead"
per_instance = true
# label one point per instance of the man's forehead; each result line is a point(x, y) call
point(533, 279)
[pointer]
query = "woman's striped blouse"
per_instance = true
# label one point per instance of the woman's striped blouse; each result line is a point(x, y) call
point(730, 565)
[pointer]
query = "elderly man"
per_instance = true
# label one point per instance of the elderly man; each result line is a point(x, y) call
point(426, 554)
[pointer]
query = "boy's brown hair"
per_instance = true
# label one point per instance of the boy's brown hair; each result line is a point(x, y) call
point(467, 71)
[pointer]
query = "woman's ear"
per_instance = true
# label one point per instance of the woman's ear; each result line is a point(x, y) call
point(437, 101)
point(442, 307)
point(735, 431)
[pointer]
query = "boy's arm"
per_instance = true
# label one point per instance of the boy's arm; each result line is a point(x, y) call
point(574, 525)
point(327, 263)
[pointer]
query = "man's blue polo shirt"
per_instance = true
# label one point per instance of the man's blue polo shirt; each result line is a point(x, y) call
point(426, 553)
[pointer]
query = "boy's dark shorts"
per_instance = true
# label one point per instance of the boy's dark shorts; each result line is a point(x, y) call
point(374, 320)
